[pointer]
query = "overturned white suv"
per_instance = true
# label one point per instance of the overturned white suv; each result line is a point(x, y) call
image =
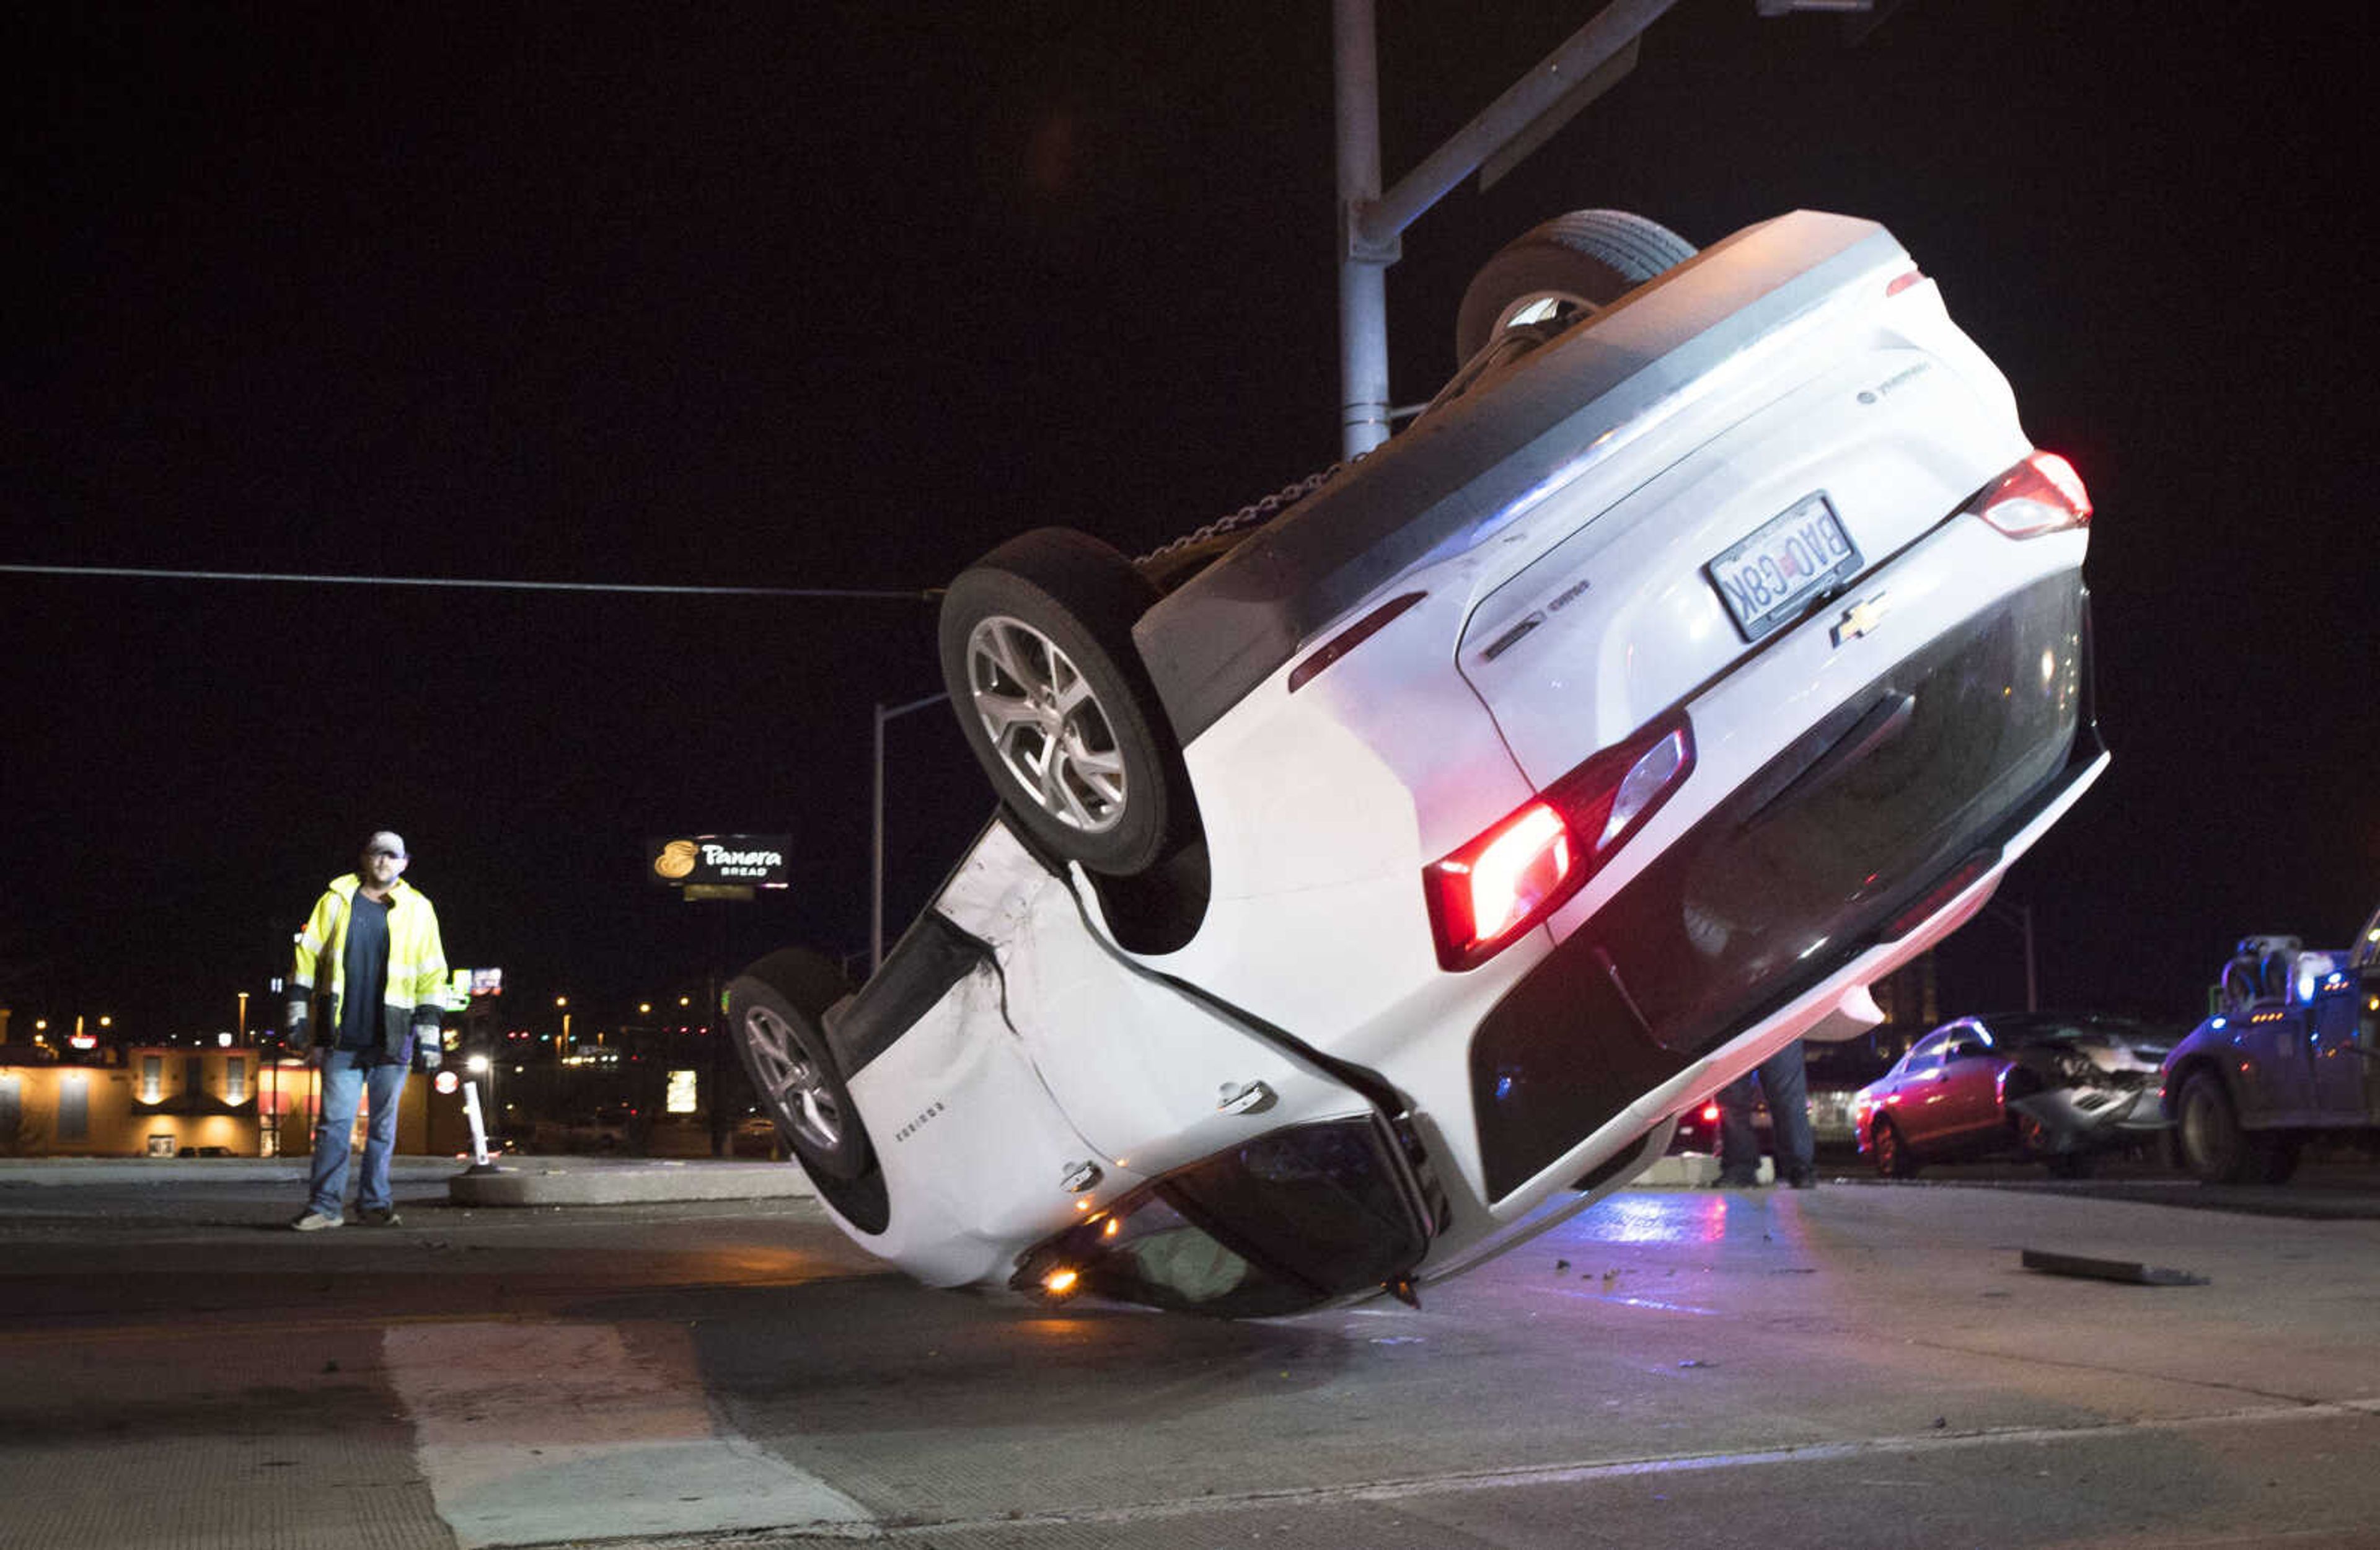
point(1372, 887)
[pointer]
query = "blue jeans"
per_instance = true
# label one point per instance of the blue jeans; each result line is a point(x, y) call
point(348, 1076)
point(1785, 1086)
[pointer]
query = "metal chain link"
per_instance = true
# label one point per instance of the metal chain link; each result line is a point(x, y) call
point(1257, 513)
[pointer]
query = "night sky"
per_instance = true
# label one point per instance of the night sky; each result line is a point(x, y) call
point(838, 295)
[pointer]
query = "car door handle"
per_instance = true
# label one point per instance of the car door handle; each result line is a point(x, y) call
point(1251, 1098)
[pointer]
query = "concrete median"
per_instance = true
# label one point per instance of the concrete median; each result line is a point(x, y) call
point(624, 1181)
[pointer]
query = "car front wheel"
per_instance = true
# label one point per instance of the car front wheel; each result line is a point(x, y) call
point(2214, 1146)
point(775, 1009)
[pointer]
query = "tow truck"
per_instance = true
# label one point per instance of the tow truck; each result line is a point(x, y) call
point(2288, 1054)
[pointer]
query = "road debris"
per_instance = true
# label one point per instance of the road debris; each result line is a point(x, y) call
point(2108, 1269)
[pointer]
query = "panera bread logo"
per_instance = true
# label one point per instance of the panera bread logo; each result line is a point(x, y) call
point(756, 859)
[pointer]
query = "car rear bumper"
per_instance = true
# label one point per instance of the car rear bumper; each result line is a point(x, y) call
point(1843, 841)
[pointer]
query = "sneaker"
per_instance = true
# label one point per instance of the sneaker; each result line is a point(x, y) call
point(1736, 1181)
point(1803, 1178)
point(316, 1221)
point(379, 1216)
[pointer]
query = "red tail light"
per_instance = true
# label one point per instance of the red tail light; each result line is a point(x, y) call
point(2042, 494)
point(1527, 865)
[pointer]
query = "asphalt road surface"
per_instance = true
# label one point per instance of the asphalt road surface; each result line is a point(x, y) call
point(1861, 1364)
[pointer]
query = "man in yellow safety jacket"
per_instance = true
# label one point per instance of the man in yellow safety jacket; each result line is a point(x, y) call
point(386, 992)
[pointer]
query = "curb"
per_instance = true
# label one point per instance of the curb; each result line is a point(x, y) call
point(525, 1183)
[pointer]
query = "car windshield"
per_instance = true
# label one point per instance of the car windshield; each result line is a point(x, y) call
point(1276, 1225)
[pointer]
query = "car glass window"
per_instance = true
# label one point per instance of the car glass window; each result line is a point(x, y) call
point(1926, 1056)
point(1275, 1225)
point(1322, 1203)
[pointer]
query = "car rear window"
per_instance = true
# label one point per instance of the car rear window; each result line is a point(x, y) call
point(1785, 880)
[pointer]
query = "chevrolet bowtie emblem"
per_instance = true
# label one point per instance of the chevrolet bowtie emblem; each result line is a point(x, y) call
point(1859, 618)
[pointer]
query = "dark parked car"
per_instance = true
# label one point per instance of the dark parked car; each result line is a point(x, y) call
point(1836, 1072)
point(2294, 1054)
point(2057, 1088)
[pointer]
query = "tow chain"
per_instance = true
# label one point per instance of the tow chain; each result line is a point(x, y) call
point(1255, 512)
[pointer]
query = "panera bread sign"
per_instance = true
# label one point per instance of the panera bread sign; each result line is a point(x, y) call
point(716, 860)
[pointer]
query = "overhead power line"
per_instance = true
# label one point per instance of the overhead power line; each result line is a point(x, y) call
point(481, 583)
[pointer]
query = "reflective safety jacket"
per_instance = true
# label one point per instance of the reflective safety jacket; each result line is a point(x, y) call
point(416, 992)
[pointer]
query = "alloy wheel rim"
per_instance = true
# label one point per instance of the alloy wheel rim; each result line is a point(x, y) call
point(1539, 307)
point(1045, 725)
point(791, 1081)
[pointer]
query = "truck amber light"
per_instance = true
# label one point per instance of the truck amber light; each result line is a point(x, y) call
point(1057, 1283)
point(2042, 494)
point(1526, 865)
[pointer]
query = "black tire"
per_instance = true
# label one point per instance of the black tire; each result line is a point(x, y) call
point(2071, 1165)
point(774, 1011)
point(1890, 1150)
point(1051, 694)
point(2212, 1145)
point(1577, 263)
point(2276, 1158)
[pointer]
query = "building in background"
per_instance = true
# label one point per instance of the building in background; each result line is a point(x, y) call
point(165, 1102)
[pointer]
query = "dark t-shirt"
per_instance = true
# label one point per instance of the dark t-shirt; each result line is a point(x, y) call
point(366, 964)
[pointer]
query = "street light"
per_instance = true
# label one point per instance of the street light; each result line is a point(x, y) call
point(243, 1016)
point(876, 849)
point(2020, 917)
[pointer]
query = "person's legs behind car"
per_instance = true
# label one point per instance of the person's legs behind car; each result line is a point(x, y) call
point(1785, 1083)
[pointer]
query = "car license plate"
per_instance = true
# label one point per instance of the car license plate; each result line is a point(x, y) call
point(1764, 579)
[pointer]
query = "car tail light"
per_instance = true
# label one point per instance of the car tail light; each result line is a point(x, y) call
point(1526, 865)
point(2042, 494)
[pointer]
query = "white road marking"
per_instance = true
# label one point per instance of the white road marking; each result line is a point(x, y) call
point(1527, 1476)
point(532, 1432)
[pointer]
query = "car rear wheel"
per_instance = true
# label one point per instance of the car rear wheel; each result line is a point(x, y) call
point(1037, 654)
point(775, 1009)
point(1572, 265)
point(1892, 1151)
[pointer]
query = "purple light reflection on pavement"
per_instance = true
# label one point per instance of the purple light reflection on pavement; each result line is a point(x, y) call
point(1655, 1219)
